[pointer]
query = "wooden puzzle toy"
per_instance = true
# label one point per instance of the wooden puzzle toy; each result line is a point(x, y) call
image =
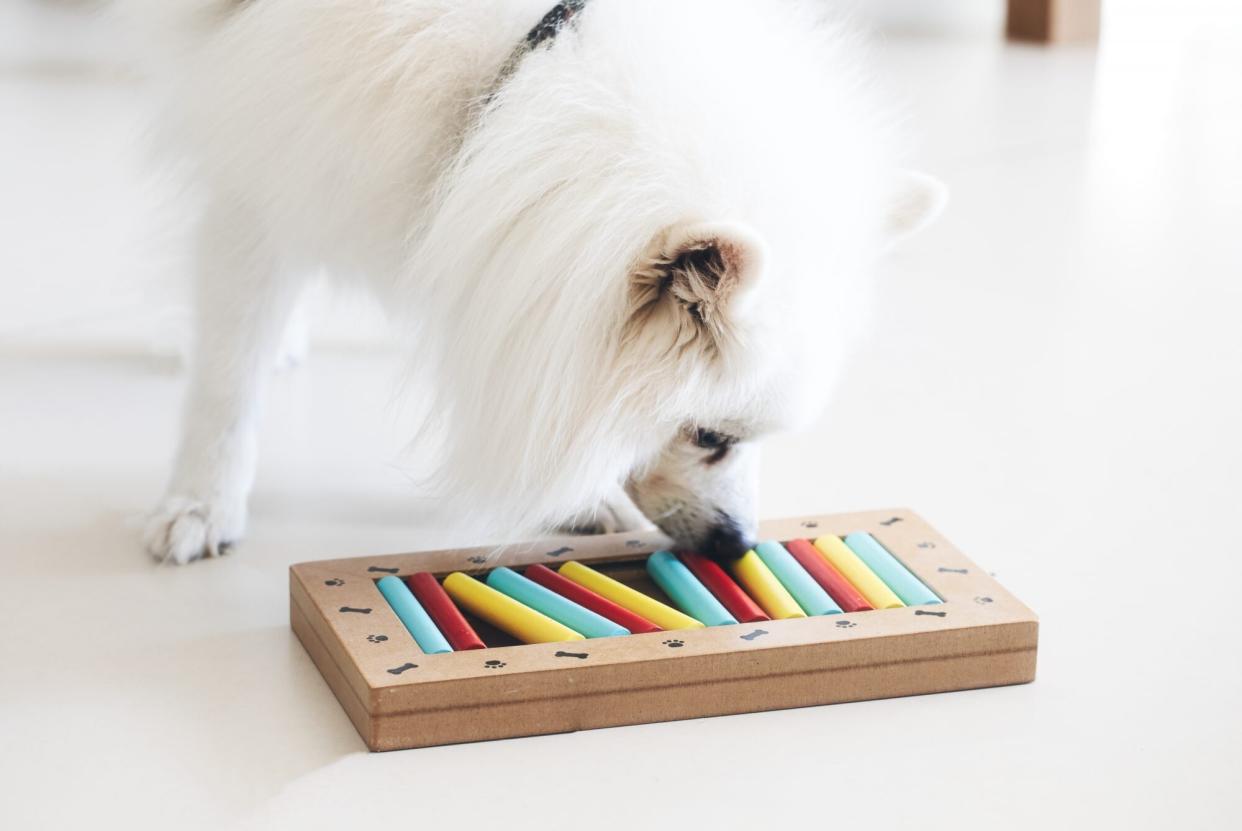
point(585, 632)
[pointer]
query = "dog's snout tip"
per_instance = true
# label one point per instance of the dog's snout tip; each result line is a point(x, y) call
point(725, 543)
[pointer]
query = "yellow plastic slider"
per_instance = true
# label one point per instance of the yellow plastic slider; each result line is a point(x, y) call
point(761, 584)
point(505, 613)
point(662, 615)
point(843, 559)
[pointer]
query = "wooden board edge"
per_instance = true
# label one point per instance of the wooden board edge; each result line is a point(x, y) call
point(707, 699)
point(654, 677)
point(356, 708)
point(342, 657)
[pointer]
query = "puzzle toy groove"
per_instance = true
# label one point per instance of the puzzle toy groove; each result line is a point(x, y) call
point(457, 630)
point(723, 588)
point(892, 573)
point(816, 564)
point(687, 592)
point(505, 613)
point(843, 559)
point(661, 614)
point(564, 611)
point(413, 616)
point(758, 580)
point(878, 605)
point(808, 594)
point(588, 599)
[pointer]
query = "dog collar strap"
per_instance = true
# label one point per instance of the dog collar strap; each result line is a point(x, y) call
point(544, 33)
point(560, 16)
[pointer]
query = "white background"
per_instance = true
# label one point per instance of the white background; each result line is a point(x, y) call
point(1054, 381)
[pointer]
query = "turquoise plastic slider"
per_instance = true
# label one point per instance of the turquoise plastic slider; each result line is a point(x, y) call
point(889, 569)
point(796, 580)
point(412, 614)
point(685, 590)
point(561, 609)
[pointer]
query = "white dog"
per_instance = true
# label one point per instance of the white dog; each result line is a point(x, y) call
point(629, 237)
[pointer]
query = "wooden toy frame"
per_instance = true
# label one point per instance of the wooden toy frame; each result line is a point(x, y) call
point(397, 697)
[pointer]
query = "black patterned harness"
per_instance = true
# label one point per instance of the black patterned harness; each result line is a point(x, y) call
point(558, 18)
point(561, 15)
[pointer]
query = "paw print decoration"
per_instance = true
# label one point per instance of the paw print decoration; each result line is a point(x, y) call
point(334, 582)
point(494, 664)
point(846, 624)
point(377, 638)
point(674, 643)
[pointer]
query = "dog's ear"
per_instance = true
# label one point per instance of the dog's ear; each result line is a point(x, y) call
point(915, 200)
point(709, 270)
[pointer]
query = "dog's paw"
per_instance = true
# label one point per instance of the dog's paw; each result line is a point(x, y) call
point(613, 516)
point(599, 521)
point(581, 528)
point(182, 530)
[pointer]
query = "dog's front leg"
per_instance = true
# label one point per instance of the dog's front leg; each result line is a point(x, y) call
point(243, 300)
point(615, 514)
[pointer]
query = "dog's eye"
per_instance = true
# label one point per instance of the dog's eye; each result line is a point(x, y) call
point(711, 440)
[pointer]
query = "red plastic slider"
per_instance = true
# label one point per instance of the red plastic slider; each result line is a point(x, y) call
point(832, 581)
point(583, 596)
point(719, 583)
point(444, 613)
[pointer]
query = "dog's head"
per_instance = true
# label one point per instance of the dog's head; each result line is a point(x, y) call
point(743, 353)
point(654, 250)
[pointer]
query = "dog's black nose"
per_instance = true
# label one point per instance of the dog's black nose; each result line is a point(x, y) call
point(725, 542)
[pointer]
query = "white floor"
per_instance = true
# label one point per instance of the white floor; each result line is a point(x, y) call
point(1055, 382)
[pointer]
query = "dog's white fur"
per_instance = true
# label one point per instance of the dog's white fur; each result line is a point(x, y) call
point(660, 223)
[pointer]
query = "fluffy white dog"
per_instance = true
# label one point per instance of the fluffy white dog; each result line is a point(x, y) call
point(629, 238)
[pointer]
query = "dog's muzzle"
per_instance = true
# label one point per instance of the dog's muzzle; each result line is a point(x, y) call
point(725, 541)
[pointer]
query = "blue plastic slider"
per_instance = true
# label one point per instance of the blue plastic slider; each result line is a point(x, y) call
point(561, 609)
point(413, 615)
point(797, 580)
point(685, 590)
point(889, 569)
